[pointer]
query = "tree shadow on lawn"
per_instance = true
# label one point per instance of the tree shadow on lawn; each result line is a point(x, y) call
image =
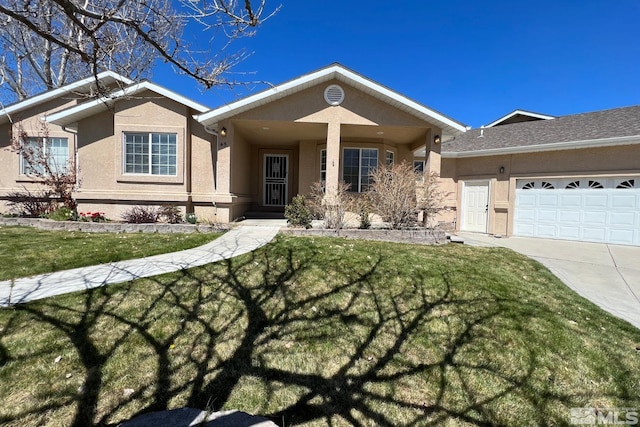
point(251, 333)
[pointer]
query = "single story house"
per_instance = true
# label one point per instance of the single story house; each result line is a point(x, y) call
point(573, 177)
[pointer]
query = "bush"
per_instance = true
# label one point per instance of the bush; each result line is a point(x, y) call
point(171, 214)
point(141, 215)
point(331, 209)
point(61, 214)
point(298, 214)
point(393, 194)
point(363, 205)
point(31, 204)
point(191, 218)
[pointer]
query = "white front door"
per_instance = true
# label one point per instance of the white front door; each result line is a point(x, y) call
point(475, 206)
point(276, 176)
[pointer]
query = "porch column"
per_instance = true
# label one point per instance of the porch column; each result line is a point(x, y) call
point(333, 157)
point(223, 164)
point(432, 157)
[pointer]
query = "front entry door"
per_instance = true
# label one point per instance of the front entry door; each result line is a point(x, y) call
point(476, 206)
point(276, 175)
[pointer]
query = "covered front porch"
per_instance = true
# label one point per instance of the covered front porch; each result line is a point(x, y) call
point(332, 125)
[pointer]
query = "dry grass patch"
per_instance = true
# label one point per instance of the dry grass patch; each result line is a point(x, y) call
point(323, 332)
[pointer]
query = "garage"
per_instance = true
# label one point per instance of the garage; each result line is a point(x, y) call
point(590, 209)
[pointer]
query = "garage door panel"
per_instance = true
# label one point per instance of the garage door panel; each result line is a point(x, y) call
point(594, 218)
point(572, 216)
point(569, 233)
point(606, 215)
point(544, 230)
point(621, 236)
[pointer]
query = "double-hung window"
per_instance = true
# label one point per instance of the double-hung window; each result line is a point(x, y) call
point(50, 150)
point(390, 158)
point(150, 153)
point(357, 167)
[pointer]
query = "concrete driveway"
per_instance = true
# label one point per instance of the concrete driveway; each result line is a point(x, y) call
point(608, 275)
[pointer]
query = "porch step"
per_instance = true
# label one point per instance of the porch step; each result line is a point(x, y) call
point(264, 215)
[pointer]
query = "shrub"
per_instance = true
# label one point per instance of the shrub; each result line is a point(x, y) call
point(393, 194)
point(331, 209)
point(191, 218)
point(141, 215)
point(297, 213)
point(170, 214)
point(363, 205)
point(61, 214)
point(31, 204)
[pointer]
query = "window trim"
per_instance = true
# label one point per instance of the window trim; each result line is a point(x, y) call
point(323, 152)
point(150, 174)
point(344, 149)
point(386, 158)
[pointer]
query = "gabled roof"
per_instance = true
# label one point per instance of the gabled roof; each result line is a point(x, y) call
point(338, 72)
point(106, 78)
point(517, 116)
point(72, 115)
point(619, 126)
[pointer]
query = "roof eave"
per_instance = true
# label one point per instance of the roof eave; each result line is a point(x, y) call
point(450, 126)
point(46, 96)
point(71, 116)
point(569, 145)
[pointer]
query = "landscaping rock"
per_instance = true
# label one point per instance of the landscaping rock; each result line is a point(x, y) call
point(418, 236)
point(186, 417)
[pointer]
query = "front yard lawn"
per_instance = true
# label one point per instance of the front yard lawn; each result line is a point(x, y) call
point(26, 251)
point(323, 332)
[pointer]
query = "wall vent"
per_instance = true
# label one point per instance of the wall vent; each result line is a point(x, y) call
point(334, 95)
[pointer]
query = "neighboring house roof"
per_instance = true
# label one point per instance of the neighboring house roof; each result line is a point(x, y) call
point(338, 72)
point(618, 126)
point(70, 116)
point(517, 116)
point(106, 78)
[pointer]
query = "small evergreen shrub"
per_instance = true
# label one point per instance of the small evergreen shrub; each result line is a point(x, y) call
point(61, 214)
point(191, 218)
point(297, 213)
point(141, 215)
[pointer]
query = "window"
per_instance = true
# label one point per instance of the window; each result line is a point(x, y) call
point(150, 153)
point(528, 185)
point(547, 185)
point(573, 185)
point(595, 184)
point(418, 166)
point(323, 165)
point(54, 150)
point(389, 159)
point(358, 163)
point(626, 184)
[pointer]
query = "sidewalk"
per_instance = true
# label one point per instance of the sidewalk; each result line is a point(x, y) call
point(607, 275)
point(233, 243)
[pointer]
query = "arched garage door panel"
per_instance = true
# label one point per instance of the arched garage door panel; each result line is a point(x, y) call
point(590, 209)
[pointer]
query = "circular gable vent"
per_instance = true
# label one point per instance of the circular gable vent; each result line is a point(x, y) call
point(334, 95)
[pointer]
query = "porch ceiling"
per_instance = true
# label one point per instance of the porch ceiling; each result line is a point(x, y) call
point(275, 132)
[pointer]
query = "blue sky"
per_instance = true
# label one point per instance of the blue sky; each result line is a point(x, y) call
point(473, 61)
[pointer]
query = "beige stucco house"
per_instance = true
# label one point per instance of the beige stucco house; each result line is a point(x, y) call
point(572, 177)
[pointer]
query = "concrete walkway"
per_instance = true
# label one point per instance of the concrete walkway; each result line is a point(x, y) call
point(236, 242)
point(607, 275)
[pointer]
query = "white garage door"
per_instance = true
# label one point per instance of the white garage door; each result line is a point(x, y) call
point(605, 210)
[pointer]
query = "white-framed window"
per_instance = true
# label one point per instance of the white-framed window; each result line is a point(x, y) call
point(389, 158)
point(53, 150)
point(150, 153)
point(323, 165)
point(357, 166)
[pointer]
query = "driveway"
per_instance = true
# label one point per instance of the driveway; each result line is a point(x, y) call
point(607, 275)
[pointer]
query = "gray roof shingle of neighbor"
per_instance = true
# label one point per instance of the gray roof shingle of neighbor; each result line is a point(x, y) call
point(618, 122)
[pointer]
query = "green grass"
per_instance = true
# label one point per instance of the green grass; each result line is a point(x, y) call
point(26, 251)
point(322, 332)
